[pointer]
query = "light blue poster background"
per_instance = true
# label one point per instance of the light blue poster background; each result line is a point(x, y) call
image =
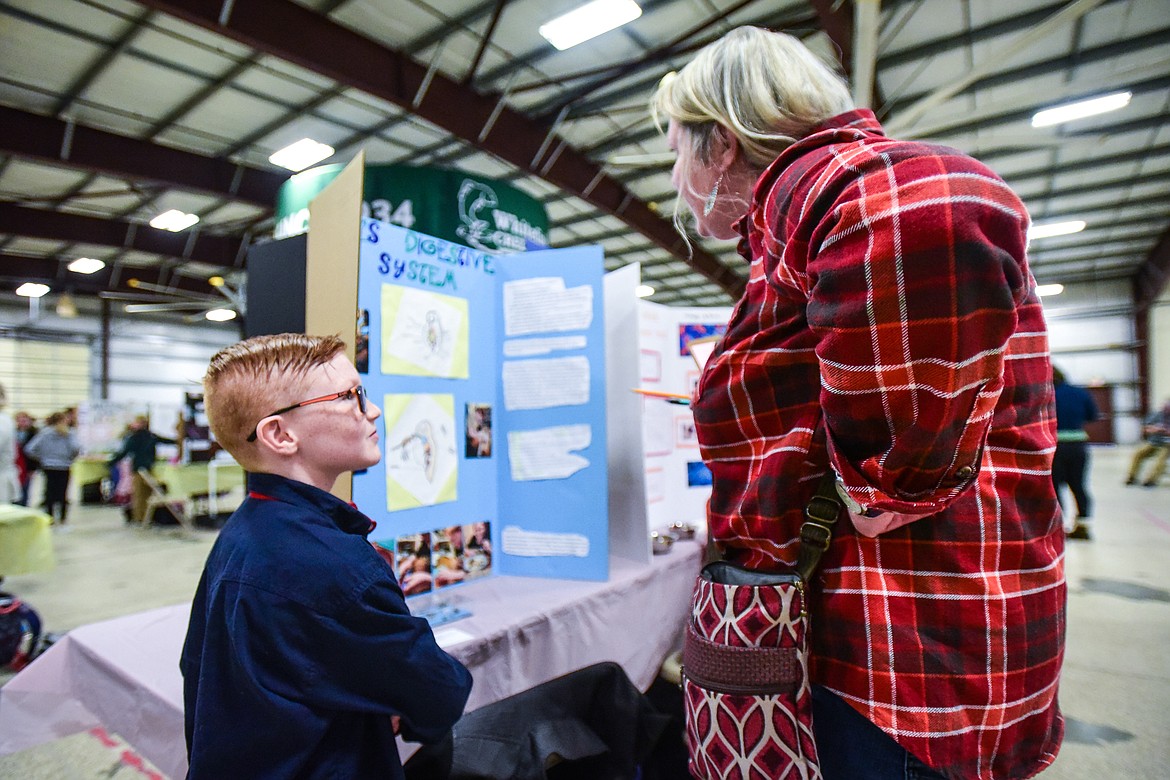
point(578, 503)
point(396, 256)
point(485, 492)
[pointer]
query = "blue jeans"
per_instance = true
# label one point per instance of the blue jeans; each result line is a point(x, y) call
point(852, 748)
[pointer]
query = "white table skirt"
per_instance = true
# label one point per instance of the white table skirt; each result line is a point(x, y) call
point(124, 673)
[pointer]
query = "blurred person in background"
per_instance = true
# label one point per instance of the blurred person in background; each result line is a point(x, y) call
point(141, 446)
point(1157, 445)
point(26, 428)
point(1074, 409)
point(56, 447)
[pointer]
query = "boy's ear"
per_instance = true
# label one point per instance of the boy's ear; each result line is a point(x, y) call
point(274, 436)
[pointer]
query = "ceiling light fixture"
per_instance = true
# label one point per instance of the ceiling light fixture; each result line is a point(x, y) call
point(1049, 289)
point(174, 221)
point(1081, 109)
point(86, 265)
point(1055, 229)
point(302, 154)
point(32, 289)
point(220, 315)
point(644, 291)
point(589, 21)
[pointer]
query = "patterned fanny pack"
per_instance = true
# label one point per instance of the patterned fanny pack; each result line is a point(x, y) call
point(746, 690)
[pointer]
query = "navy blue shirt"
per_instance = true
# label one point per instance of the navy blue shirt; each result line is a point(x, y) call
point(1074, 407)
point(301, 648)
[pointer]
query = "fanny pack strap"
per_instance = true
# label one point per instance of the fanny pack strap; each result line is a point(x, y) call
point(817, 531)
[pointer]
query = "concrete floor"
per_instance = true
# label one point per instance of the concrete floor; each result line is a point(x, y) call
point(1116, 686)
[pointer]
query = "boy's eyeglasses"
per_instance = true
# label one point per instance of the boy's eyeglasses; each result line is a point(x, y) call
point(358, 392)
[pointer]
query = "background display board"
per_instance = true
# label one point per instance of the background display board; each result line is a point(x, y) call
point(488, 215)
point(490, 373)
point(678, 483)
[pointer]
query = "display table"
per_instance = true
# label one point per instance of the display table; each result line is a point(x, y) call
point(86, 470)
point(198, 480)
point(26, 547)
point(124, 673)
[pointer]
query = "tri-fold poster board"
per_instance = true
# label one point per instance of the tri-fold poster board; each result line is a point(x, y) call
point(490, 373)
point(678, 483)
point(511, 442)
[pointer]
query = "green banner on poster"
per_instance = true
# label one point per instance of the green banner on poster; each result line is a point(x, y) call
point(488, 215)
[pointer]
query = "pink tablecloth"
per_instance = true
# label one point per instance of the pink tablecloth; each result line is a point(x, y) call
point(124, 673)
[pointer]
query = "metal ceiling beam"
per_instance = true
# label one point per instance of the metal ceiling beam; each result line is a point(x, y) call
point(1096, 188)
point(671, 48)
point(867, 17)
point(836, 19)
point(790, 19)
point(907, 117)
point(17, 269)
point(988, 32)
point(59, 226)
point(1133, 245)
point(305, 38)
point(1149, 280)
point(485, 39)
point(91, 72)
point(541, 50)
point(955, 123)
point(1097, 262)
point(1046, 68)
point(1138, 44)
point(1142, 155)
point(43, 138)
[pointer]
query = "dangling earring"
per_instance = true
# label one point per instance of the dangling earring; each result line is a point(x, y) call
point(709, 204)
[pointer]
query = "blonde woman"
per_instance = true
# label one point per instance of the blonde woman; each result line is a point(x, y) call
point(889, 332)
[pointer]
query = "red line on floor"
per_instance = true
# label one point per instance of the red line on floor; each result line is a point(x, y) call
point(1153, 518)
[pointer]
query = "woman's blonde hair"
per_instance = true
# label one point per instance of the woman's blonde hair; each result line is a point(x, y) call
point(766, 88)
point(249, 379)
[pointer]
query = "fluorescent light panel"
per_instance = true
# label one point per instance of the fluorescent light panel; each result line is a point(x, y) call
point(645, 291)
point(1055, 229)
point(302, 154)
point(86, 265)
point(220, 315)
point(589, 21)
point(32, 289)
point(1049, 289)
point(174, 221)
point(1081, 109)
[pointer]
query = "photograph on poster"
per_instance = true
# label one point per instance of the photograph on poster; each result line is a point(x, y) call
point(478, 442)
point(421, 465)
point(688, 332)
point(460, 553)
point(361, 357)
point(413, 564)
point(698, 474)
point(423, 333)
point(477, 549)
point(685, 431)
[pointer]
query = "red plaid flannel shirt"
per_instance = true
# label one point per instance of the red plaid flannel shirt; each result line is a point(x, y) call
point(890, 329)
